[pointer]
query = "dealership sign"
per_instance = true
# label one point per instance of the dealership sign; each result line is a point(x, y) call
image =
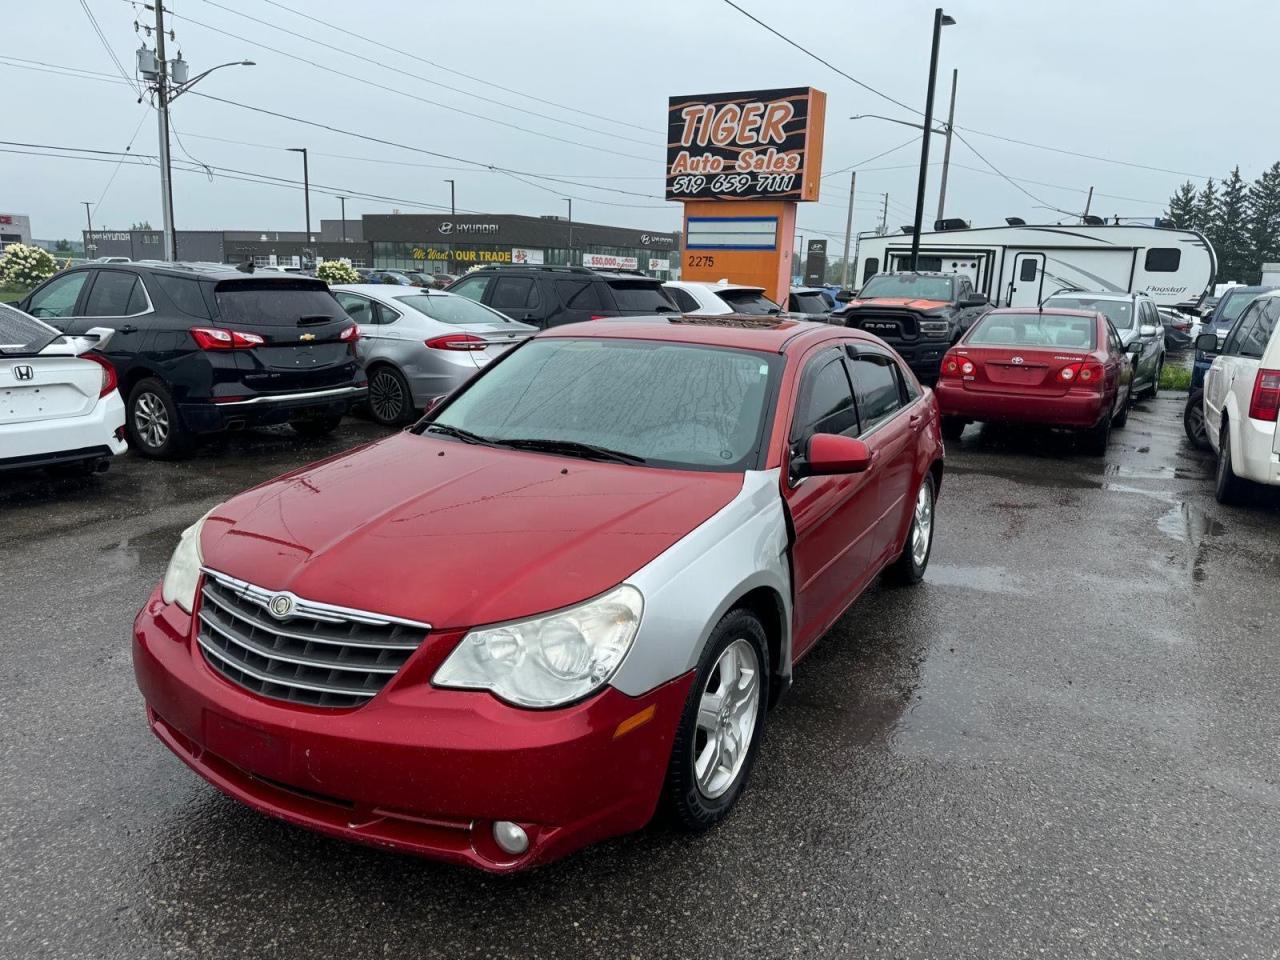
point(746, 145)
point(463, 256)
point(607, 261)
point(525, 255)
point(656, 264)
point(453, 228)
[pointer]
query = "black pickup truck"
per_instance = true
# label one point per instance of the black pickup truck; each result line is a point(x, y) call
point(919, 314)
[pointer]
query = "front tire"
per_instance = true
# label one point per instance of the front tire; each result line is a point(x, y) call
point(151, 420)
point(1228, 488)
point(1154, 390)
point(721, 725)
point(910, 566)
point(1193, 420)
point(953, 427)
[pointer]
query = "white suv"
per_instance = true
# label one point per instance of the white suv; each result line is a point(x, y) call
point(1242, 398)
point(718, 298)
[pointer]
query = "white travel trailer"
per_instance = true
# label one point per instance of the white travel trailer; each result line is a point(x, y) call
point(1020, 265)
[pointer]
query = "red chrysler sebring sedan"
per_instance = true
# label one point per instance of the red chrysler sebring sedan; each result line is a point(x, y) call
point(1060, 368)
point(568, 594)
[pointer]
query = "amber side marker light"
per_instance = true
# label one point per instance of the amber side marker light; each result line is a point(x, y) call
point(634, 721)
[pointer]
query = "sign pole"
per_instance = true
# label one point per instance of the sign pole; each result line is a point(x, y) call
point(848, 229)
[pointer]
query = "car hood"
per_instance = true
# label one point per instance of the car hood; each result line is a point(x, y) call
point(454, 534)
point(907, 303)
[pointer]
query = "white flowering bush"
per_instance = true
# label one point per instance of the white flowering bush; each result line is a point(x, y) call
point(22, 266)
point(337, 271)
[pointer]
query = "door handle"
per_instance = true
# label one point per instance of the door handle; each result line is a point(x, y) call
point(127, 328)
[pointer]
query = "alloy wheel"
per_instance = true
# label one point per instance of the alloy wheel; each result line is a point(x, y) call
point(386, 397)
point(922, 525)
point(151, 420)
point(726, 719)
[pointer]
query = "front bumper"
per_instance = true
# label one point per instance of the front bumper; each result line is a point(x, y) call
point(417, 769)
point(266, 409)
point(95, 435)
point(924, 357)
point(1074, 410)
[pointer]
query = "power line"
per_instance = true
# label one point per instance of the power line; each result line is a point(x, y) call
point(858, 165)
point(102, 38)
point(351, 55)
point(825, 63)
point(1007, 178)
point(128, 147)
point(468, 76)
point(411, 96)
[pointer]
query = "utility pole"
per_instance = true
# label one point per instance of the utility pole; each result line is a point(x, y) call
point(884, 217)
point(343, 200)
point(802, 256)
point(848, 229)
point(1088, 203)
point(88, 237)
point(939, 20)
point(453, 207)
point(162, 112)
point(570, 203)
point(946, 151)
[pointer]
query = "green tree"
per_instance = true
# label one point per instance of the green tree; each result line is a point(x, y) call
point(63, 246)
point(1183, 208)
point(1206, 205)
point(143, 225)
point(1264, 219)
point(1228, 231)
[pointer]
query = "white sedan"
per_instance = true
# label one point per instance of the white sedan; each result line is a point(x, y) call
point(59, 405)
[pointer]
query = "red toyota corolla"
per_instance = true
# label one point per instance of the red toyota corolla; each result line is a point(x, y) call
point(1060, 368)
point(568, 594)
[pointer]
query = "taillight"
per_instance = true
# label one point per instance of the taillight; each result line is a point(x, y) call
point(350, 334)
point(599, 316)
point(1087, 372)
point(954, 365)
point(216, 338)
point(456, 341)
point(1265, 402)
point(109, 379)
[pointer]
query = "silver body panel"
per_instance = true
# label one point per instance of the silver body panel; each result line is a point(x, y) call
point(696, 581)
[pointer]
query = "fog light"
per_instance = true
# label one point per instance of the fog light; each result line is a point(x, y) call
point(510, 837)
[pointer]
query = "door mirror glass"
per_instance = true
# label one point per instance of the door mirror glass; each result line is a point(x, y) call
point(844, 296)
point(1207, 343)
point(831, 453)
point(1148, 330)
point(974, 300)
point(1134, 347)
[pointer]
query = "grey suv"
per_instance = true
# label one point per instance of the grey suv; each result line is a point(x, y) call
point(1136, 318)
point(548, 296)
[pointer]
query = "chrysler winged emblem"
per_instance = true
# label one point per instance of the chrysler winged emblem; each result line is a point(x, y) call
point(280, 606)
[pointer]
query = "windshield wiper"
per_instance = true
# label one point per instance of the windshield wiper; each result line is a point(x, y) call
point(572, 448)
point(466, 436)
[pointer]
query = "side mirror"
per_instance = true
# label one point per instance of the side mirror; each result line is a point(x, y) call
point(975, 300)
point(1134, 346)
point(844, 296)
point(433, 403)
point(1148, 330)
point(1207, 343)
point(831, 453)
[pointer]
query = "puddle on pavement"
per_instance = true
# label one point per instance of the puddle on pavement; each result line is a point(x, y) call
point(152, 547)
point(984, 579)
point(1046, 478)
point(1191, 526)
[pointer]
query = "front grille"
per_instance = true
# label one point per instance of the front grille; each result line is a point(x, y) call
point(317, 654)
point(886, 324)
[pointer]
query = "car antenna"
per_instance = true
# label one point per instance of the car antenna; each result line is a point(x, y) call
point(246, 267)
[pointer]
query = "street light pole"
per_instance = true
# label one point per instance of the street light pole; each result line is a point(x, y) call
point(343, 200)
point(848, 229)
point(88, 237)
point(570, 203)
point(306, 187)
point(453, 207)
point(946, 150)
point(940, 20)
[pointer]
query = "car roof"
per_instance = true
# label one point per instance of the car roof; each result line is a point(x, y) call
point(712, 285)
point(912, 273)
point(395, 290)
point(1023, 311)
point(808, 289)
point(744, 332)
point(1096, 294)
point(194, 268)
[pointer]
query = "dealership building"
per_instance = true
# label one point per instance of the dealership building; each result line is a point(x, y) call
point(429, 243)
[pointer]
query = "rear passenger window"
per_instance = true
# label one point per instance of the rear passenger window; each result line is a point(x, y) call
point(876, 387)
point(578, 295)
point(683, 298)
point(1163, 260)
point(472, 288)
point(114, 294)
point(826, 402)
point(1254, 340)
point(184, 293)
point(1242, 332)
point(637, 295)
point(514, 293)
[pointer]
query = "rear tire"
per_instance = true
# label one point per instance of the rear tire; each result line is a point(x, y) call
point(705, 775)
point(1229, 488)
point(1123, 417)
point(1154, 389)
point(911, 564)
point(152, 422)
point(1096, 439)
point(319, 427)
point(953, 427)
point(1193, 420)
point(390, 401)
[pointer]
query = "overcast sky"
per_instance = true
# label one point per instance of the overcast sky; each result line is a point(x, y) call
point(1144, 82)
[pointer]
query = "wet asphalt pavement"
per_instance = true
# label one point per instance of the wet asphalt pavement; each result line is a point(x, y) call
point(1063, 743)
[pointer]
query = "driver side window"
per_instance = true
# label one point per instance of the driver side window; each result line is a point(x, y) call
point(825, 404)
point(1243, 329)
point(58, 298)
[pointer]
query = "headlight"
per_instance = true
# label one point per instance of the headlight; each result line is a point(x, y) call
point(549, 660)
point(183, 575)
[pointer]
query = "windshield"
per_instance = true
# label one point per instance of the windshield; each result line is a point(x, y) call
point(451, 308)
point(1044, 329)
point(675, 405)
point(751, 302)
point(908, 286)
point(1232, 306)
point(1119, 312)
point(20, 333)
